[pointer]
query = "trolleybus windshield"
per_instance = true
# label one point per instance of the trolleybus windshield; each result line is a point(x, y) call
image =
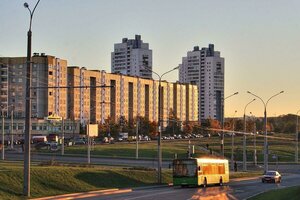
point(184, 168)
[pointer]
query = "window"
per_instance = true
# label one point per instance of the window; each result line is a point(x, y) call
point(213, 169)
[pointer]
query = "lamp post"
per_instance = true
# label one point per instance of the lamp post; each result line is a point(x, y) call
point(222, 117)
point(159, 177)
point(265, 122)
point(232, 142)
point(244, 138)
point(296, 149)
point(26, 182)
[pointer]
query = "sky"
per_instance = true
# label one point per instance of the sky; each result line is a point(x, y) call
point(259, 40)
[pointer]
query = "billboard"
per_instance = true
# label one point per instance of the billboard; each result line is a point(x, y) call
point(92, 130)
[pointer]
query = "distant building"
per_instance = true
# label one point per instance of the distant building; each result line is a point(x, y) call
point(131, 57)
point(205, 68)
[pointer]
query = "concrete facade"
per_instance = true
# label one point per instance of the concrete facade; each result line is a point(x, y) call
point(47, 71)
point(205, 68)
point(131, 57)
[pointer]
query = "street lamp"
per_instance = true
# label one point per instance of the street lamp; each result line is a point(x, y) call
point(232, 141)
point(244, 138)
point(26, 182)
point(296, 149)
point(222, 117)
point(265, 119)
point(159, 177)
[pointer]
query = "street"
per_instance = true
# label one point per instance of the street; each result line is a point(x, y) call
point(234, 190)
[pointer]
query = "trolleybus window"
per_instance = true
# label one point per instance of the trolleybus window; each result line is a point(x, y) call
point(213, 169)
point(183, 168)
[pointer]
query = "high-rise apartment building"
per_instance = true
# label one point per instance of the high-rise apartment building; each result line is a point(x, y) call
point(47, 71)
point(205, 68)
point(132, 57)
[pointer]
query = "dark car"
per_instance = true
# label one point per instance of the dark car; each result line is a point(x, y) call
point(271, 176)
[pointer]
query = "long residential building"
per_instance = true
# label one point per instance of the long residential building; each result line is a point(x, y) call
point(205, 68)
point(90, 96)
point(127, 97)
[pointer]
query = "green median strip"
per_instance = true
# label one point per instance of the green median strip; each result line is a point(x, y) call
point(291, 193)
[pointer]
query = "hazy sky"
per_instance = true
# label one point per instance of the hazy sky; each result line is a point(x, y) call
point(259, 39)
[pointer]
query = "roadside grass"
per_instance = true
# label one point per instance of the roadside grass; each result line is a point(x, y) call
point(55, 180)
point(148, 150)
point(291, 193)
point(233, 175)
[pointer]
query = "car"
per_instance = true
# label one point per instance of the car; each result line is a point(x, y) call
point(271, 176)
point(79, 142)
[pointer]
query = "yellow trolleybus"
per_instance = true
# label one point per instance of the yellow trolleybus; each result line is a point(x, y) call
point(200, 171)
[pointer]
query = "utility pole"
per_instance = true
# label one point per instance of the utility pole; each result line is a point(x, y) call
point(222, 122)
point(89, 143)
point(3, 139)
point(296, 137)
point(12, 129)
point(255, 156)
point(137, 139)
point(63, 137)
point(244, 139)
point(232, 143)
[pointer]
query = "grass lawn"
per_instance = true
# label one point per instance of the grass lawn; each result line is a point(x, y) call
point(292, 193)
point(53, 180)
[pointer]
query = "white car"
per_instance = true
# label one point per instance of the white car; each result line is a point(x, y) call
point(271, 176)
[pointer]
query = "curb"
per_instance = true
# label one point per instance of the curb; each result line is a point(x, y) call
point(85, 194)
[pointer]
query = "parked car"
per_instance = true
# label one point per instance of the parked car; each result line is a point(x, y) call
point(271, 176)
point(79, 141)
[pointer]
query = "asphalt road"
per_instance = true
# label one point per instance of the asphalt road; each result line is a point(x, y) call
point(234, 191)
